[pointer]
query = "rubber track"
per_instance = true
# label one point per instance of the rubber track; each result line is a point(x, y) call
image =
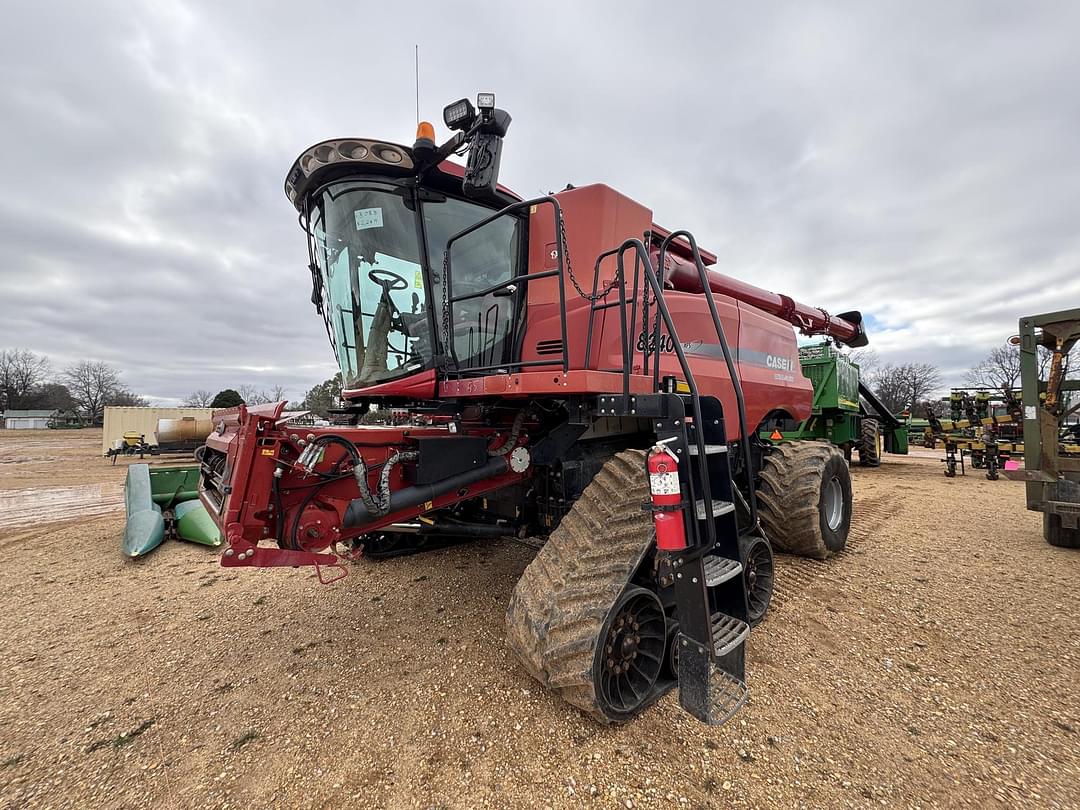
point(788, 497)
point(559, 605)
point(869, 449)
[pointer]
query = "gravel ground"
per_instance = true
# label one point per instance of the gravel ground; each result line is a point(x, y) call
point(935, 663)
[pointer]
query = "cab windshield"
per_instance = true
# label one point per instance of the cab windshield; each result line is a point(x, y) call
point(377, 294)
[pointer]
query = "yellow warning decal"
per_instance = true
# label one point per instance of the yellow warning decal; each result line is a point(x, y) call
point(428, 505)
point(268, 451)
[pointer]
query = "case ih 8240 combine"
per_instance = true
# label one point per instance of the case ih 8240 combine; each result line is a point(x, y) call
point(559, 366)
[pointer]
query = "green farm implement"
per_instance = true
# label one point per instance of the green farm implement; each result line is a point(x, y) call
point(1051, 466)
point(163, 502)
point(845, 412)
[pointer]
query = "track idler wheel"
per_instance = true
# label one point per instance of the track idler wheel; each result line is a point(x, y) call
point(759, 576)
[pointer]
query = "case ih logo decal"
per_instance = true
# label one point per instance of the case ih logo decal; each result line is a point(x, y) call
point(779, 363)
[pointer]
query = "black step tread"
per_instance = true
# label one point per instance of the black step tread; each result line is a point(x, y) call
point(718, 508)
point(719, 570)
point(727, 633)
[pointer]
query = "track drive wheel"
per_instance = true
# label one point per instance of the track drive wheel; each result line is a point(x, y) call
point(575, 621)
point(804, 498)
point(870, 443)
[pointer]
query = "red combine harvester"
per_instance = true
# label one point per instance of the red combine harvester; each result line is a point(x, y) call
point(605, 402)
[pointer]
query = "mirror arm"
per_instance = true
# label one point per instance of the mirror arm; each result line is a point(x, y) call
point(443, 152)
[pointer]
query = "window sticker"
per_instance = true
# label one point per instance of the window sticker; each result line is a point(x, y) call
point(368, 218)
point(418, 281)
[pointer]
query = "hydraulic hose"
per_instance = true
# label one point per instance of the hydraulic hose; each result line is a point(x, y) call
point(358, 513)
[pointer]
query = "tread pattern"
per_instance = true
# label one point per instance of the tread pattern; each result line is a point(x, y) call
point(789, 493)
point(558, 607)
point(869, 449)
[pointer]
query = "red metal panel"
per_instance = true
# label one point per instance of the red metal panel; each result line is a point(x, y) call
point(415, 386)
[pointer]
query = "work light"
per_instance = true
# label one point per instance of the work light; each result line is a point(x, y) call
point(459, 115)
point(485, 101)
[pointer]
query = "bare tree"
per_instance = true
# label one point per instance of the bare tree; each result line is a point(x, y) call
point(52, 396)
point(253, 395)
point(198, 399)
point(21, 372)
point(91, 383)
point(866, 359)
point(929, 407)
point(1070, 362)
point(260, 396)
point(123, 397)
point(902, 385)
point(1000, 370)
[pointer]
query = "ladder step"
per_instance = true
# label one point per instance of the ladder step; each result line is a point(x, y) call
point(727, 633)
point(727, 694)
point(707, 690)
point(719, 570)
point(717, 508)
point(709, 448)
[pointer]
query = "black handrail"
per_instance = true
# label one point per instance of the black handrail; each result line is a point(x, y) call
point(451, 299)
point(626, 326)
point(695, 396)
point(732, 371)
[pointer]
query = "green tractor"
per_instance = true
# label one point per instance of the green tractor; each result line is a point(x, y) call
point(845, 411)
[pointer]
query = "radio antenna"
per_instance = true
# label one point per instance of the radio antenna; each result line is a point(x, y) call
point(417, 67)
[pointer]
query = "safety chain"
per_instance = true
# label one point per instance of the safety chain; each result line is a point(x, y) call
point(645, 291)
point(570, 270)
point(445, 303)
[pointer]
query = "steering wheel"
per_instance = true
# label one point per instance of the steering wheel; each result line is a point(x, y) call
point(387, 279)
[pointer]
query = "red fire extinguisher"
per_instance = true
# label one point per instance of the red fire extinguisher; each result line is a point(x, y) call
point(670, 525)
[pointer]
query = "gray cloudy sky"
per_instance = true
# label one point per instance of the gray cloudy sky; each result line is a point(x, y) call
point(917, 161)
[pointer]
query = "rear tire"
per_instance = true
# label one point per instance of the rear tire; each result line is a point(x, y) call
point(1058, 535)
point(804, 498)
point(1065, 491)
point(564, 611)
point(870, 443)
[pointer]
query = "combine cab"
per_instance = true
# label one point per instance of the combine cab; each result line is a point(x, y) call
point(560, 367)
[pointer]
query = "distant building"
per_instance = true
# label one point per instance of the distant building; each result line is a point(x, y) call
point(27, 420)
point(66, 419)
point(143, 422)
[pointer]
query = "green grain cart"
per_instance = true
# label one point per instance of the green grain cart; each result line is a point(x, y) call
point(845, 411)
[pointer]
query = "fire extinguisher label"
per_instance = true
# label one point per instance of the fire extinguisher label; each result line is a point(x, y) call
point(664, 483)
